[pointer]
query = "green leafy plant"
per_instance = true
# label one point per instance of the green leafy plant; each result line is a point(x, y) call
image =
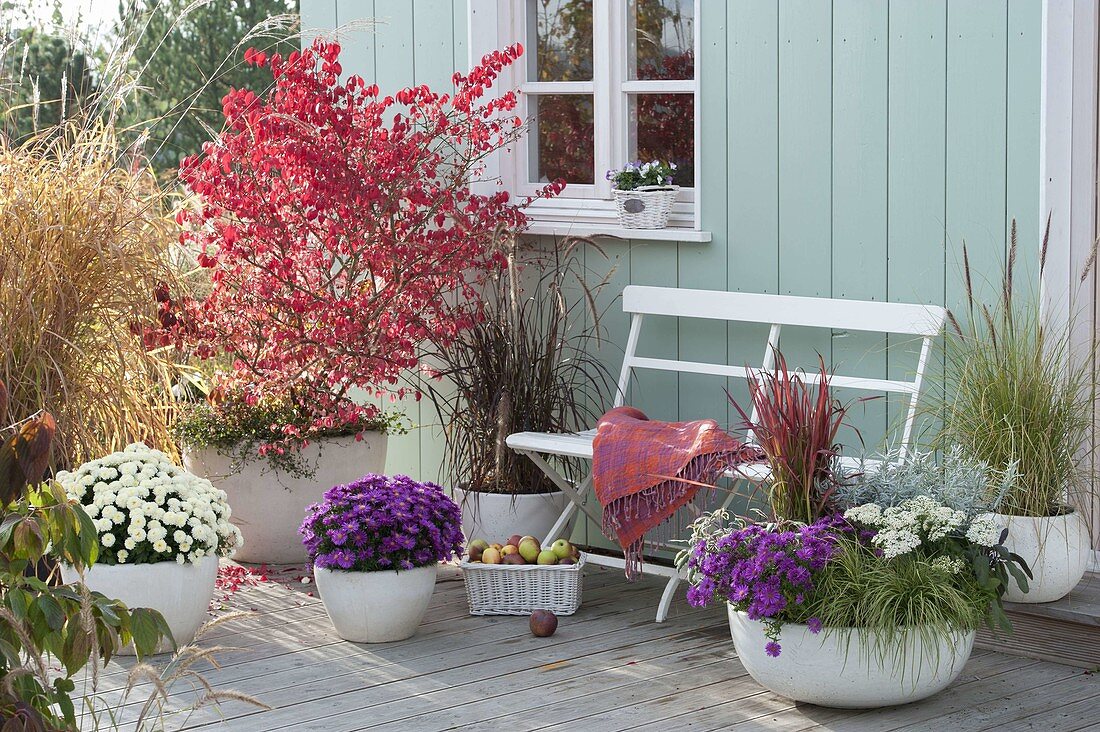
point(1016, 395)
point(527, 364)
point(796, 423)
point(952, 478)
point(40, 619)
point(247, 432)
point(633, 176)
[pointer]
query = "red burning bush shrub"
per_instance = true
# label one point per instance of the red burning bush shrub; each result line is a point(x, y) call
point(340, 229)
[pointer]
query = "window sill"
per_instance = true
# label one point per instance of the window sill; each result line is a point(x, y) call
point(558, 228)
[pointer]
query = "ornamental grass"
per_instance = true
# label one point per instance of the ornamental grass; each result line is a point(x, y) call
point(1016, 395)
point(84, 245)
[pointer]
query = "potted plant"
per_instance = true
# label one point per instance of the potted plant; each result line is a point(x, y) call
point(1017, 395)
point(871, 607)
point(160, 532)
point(528, 363)
point(375, 545)
point(861, 589)
point(340, 232)
point(644, 193)
point(271, 477)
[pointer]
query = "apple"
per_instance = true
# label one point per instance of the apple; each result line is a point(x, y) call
point(530, 548)
point(567, 560)
point(513, 558)
point(474, 554)
point(508, 550)
point(547, 557)
point(514, 540)
point(543, 623)
point(491, 556)
point(562, 548)
point(479, 544)
point(498, 547)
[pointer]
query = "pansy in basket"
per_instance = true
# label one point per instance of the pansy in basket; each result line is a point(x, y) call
point(148, 509)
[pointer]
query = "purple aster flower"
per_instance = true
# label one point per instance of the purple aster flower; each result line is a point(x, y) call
point(380, 522)
point(773, 649)
point(814, 624)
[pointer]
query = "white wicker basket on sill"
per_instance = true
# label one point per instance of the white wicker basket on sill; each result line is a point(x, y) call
point(520, 589)
point(647, 207)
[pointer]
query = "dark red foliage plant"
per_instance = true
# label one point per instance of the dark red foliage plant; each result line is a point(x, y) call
point(796, 423)
point(340, 229)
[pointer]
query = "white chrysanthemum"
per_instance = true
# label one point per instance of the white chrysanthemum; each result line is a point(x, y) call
point(122, 555)
point(107, 540)
point(160, 546)
point(130, 543)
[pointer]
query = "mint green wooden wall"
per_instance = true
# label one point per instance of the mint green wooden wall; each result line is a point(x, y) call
point(848, 149)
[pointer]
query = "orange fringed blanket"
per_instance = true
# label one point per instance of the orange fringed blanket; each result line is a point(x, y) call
point(643, 471)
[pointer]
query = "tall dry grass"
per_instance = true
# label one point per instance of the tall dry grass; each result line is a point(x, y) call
point(84, 243)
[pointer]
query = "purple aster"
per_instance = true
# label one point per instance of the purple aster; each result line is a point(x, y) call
point(814, 624)
point(773, 649)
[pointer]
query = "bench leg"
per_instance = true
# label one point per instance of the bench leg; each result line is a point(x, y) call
point(666, 598)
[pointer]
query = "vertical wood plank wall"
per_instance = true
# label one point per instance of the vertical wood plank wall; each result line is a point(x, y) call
point(848, 149)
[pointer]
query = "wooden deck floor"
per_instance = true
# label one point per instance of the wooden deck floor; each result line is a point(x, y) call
point(609, 667)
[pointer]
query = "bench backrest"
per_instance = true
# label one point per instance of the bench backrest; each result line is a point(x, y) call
point(924, 321)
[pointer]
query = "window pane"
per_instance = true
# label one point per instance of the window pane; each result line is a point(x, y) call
point(662, 127)
point(662, 39)
point(563, 128)
point(560, 31)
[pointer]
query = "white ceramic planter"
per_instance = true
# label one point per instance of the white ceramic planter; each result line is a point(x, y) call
point(180, 592)
point(269, 505)
point(1056, 549)
point(497, 516)
point(843, 670)
point(376, 607)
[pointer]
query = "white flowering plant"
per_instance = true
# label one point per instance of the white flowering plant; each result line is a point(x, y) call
point(968, 550)
point(146, 509)
point(638, 175)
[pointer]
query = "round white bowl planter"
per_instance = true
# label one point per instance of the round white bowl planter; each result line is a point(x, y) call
point(179, 592)
point(844, 669)
point(1056, 549)
point(269, 505)
point(376, 607)
point(497, 516)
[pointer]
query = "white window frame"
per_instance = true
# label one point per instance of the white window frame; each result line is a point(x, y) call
point(584, 208)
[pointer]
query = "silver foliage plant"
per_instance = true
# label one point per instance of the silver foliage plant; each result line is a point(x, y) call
point(954, 480)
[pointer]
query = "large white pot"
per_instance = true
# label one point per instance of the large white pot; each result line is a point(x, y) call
point(270, 505)
point(376, 607)
point(1056, 549)
point(180, 592)
point(844, 670)
point(497, 516)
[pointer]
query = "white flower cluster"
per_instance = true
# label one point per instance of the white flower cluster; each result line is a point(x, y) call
point(951, 565)
point(984, 531)
point(146, 509)
point(904, 527)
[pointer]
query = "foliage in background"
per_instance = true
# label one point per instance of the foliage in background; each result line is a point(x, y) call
point(1017, 395)
point(188, 56)
point(38, 618)
point(380, 523)
point(952, 478)
point(340, 232)
point(796, 424)
point(243, 432)
point(83, 246)
point(528, 363)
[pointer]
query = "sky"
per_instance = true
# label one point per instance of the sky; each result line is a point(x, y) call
point(95, 13)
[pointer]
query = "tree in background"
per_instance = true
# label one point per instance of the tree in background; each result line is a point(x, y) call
point(189, 57)
point(45, 75)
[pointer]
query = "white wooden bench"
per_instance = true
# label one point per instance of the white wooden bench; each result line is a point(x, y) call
point(776, 311)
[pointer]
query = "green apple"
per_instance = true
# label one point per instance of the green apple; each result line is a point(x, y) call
point(547, 557)
point(562, 548)
point(529, 548)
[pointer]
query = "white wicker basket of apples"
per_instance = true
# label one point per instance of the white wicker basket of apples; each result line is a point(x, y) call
point(520, 576)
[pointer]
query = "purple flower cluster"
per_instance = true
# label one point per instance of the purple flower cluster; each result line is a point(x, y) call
point(380, 523)
point(765, 572)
